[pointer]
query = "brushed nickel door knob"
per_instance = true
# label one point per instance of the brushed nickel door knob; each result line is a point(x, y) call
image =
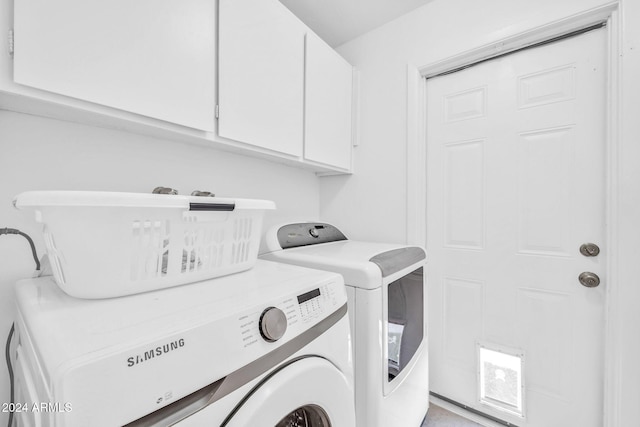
point(589, 279)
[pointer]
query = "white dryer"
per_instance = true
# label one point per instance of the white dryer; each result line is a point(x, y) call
point(266, 347)
point(387, 303)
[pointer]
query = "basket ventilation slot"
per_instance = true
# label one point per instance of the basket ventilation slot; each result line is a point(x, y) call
point(150, 249)
point(54, 256)
point(241, 247)
point(203, 247)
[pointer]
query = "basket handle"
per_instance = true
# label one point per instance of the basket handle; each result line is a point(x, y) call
point(212, 207)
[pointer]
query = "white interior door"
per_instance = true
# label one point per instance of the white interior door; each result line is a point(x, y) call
point(515, 185)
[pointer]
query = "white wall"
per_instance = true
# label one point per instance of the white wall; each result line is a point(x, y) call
point(44, 154)
point(372, 203)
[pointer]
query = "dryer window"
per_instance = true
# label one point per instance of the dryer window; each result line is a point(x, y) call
point(306, 416)
point(405, 327)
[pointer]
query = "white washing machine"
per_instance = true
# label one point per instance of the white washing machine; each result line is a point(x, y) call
point(387, 301)
point(266, 347)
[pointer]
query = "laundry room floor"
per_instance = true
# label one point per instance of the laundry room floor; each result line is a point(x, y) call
point(439, 417)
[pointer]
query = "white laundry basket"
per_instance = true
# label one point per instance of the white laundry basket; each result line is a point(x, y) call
point(105, 244)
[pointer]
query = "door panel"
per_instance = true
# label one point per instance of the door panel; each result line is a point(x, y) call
point(464, 194)
point(515, 184)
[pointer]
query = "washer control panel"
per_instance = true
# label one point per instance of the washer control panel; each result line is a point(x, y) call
point(286, 318)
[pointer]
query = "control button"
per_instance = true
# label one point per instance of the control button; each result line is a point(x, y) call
point(273, 324)
point(314, 233)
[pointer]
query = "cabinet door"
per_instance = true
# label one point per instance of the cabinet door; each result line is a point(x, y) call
point(151, 57)
point(328, 103)
point(261, 75)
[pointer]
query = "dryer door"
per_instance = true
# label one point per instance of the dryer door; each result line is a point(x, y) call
point(309, 392)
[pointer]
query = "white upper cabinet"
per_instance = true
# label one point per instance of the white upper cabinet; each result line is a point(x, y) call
point(155, 58)
point(160, 67)
point(328, 105)
point(261, 75)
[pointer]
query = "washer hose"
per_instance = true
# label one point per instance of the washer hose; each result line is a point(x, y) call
point(7, 355)
point(7, 350)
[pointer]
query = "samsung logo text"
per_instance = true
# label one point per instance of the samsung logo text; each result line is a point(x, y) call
point(155, 352)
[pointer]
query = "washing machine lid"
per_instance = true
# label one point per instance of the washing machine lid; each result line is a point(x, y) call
point(362, 264)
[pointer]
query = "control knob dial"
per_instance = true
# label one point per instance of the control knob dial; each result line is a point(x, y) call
point(273, 324)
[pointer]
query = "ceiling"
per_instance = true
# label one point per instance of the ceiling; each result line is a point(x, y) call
point(338, 21)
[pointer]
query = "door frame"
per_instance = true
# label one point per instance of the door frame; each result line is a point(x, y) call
point(416, 163)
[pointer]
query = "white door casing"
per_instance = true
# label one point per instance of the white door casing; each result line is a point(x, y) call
point(515, 184)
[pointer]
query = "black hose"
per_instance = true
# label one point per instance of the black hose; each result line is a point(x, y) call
point(26, 236)
point(7, 350)
point(7, 355)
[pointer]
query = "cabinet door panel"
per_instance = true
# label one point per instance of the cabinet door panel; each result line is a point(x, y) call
point(261, 75)
point(328, 103)
point(151, 57)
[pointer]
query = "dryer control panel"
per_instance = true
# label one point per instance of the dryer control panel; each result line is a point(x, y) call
point(308, 233)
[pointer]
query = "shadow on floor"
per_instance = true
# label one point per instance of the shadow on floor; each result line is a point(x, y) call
point(439, 417)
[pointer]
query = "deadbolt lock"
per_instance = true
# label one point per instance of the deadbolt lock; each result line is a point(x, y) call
point(588, 279)
point(589, 249)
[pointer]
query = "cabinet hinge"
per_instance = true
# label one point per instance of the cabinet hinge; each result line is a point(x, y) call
point(217, 111)
point(11, 42)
